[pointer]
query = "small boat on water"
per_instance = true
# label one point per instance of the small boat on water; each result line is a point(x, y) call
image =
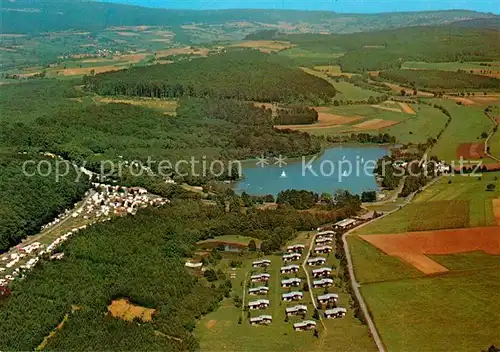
point(283, 174)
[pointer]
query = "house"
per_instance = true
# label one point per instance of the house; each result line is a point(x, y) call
point(297, 310)
point(322, 272)
point(261, 290)
point(328, 298)
point(345, 224)
point(322, 240)
point(322, 283)
point(316, 261)
point(292, 296)
point(304, 325)
point(296, 248)
point(335, 313)
point(294, 282)
point(323, 249)
point(261, 263)
point(261, 320)
point(367, 216)
point(290, 269)
point(193, 265)
point(260, 277)
point(327, 233)
point(258, 304)
point(291, 257)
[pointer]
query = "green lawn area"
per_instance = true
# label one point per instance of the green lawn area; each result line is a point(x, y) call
point(232, 239)
point(418, 128)
point(372, 265)
point(466, 127)
point(467, 261)
point(348, 91)
point(220, 331)
point(454, 311)
point(308, 58)
point(449, 66)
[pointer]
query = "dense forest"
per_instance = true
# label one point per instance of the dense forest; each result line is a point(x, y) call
point(237, 74)
point(432, 79)
point(148, 270)
point(28, 202)
point(223, 130)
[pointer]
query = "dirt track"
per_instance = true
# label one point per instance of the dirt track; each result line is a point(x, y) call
point(413, 247)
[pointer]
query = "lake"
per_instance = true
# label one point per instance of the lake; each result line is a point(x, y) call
point(344, 167)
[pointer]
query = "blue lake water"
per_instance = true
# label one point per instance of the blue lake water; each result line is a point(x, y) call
point(349, 168)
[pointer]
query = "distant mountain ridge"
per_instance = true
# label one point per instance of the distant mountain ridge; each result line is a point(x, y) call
point(35, 16)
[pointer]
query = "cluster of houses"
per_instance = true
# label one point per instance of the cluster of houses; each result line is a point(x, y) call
point(117, 200)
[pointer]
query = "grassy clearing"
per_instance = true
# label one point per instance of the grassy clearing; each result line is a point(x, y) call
point(372, 265)
point(244, 240)
point(418, 128)
point(348, 91)
point(410, 314)
point(309, 58)
point(467, 261)
point(466, 127)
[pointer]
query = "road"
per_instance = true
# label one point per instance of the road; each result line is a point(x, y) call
point(489, 137)
point(41, 235)
point(309, 282)
point(350, 267)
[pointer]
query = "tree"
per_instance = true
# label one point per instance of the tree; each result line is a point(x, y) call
point(316, 314)
point(316, 333)
point(305, 288)
point(403, 92)
point(367, 197)
point(210, 275)
point(491, 187)
point(240, 320)
point(252, 247)
point(484, 135)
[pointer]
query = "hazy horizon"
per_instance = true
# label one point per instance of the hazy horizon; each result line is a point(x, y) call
point(342, 6)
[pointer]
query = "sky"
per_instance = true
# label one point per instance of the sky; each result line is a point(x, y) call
point(349, 6)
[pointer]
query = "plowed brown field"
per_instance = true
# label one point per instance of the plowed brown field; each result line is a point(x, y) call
point(413, 247)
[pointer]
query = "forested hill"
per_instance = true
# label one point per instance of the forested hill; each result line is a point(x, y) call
point(380, 50)
point(34, 16)
point(239, 74)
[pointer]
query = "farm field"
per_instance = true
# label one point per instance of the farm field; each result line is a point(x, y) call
point(491, 69)
point(213, 329)
point(265, 46)
point(427, 123)
point(442, 195)
point(467, 125)
point(310, 58)
point(413, 247)
point(460, 302)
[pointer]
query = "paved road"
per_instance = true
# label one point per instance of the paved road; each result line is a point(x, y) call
point(489, 137)
point(309, 282)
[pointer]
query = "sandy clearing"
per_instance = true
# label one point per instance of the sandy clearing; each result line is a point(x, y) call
point(386, 108)
point(407, 108)
point(375, 124)
point(210, 324)
point(125, 310)
point(464, 101)
point(413, 247)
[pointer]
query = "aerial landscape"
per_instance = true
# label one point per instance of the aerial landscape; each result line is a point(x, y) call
point(249, 175)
